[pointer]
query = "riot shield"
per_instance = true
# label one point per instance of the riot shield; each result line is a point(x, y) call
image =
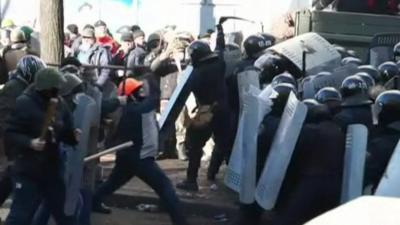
point(320, 54)
point(246, 79)
point(280, 154)
point(254, 110)
point(390, 181)
point(176, 102)
point(312, 86)
point(90, 168)
point(354, 162)
point(232, 56)
point(83, 120)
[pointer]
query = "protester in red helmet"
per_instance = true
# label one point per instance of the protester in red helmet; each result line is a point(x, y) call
point(138, 124)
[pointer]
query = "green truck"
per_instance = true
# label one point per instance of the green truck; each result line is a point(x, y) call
point(354, 31)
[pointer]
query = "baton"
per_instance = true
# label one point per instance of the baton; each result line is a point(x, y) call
point(109, 151)
point(51, 111)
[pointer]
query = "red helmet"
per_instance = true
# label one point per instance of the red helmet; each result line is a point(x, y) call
point(129, 86)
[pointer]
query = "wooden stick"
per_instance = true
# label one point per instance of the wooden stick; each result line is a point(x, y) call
point(51, 111)
point(109, 151)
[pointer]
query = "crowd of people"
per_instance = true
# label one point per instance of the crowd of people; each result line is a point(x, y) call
point(39, 107)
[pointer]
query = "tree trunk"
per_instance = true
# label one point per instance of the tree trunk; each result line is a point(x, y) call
point(52, 31)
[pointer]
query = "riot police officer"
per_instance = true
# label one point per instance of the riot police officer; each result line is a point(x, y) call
point(251, 213)
point(385, 138)
point(208, 85)
point(254, 46)
point(356, 105)
point(330, 97)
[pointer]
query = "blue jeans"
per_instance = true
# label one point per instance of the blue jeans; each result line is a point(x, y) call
point(128, 165)
point(30, 193)
point(82, 216)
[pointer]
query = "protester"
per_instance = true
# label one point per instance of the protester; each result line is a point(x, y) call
point(103, 37)
point(36, 147)
point(18, 48)
point(138, 124)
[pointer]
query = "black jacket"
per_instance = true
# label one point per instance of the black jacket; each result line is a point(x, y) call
point(26, 124)
point(354, 115)
point(8, 97)
point(319, 150)
point(208, 82)
point(266, 134)
point(381, 146)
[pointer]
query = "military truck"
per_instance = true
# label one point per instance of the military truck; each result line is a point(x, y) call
point(367, 34)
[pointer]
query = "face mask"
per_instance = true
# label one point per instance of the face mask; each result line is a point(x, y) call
point(85, 47)
point(48, 94)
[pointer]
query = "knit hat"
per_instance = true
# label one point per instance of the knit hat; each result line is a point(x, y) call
point(47, 79)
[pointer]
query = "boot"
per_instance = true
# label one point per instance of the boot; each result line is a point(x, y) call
point(188, 185)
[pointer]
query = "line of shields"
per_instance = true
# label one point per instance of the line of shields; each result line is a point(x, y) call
point(255, 105)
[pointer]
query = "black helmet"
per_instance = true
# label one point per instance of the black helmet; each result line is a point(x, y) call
point(396, 52)
point(270, 65)
point(353, 85)
point(371, 70)
point(200, 51)
point(367, 79)
point(387, 107)
point(254, 46)
point(269, 39)
point(283, 78)
point(388, 70)
point(351, 60)
point(328, 94)
point(283, 90)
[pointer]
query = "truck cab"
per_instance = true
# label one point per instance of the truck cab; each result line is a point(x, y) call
point(372, 36)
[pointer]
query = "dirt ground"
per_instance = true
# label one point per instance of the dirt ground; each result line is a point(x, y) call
point(201, 208)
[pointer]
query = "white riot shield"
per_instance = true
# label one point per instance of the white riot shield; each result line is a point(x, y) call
point(255, 109)
point(176, 102)
point(246, 79)
point(321, 55)
point(354, 162)
point(312, 86)
point(83, 120)
point(280, 154)
point(249, 77)
point(389, 185)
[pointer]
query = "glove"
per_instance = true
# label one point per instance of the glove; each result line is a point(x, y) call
point(37, 144)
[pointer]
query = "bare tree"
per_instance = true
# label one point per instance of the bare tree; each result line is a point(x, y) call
point(52, 30)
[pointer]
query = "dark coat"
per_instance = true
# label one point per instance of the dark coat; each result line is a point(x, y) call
point(314, 175)
point(138, 123)
point(208, 82)
point(26, 124)
point(136, 57)
point(354, 115)
point(8, 97)
point(381, 146)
